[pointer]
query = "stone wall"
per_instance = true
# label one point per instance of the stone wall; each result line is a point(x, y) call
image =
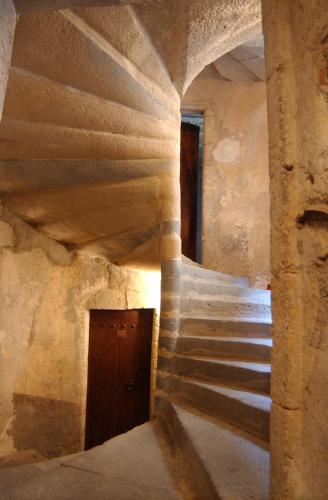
point(235, 212)
point(46, 293)
point(296, 40)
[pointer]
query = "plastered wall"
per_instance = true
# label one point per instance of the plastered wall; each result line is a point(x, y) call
point(46, 293)
point(235, 212)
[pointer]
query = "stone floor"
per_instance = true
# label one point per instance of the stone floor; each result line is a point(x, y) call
point(131, 466)
point(196, 458)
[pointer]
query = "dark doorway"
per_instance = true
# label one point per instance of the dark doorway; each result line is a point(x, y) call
point(191, 185)
point(118, 373)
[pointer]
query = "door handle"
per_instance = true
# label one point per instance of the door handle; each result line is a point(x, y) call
point(134, 385)
point(131, 386)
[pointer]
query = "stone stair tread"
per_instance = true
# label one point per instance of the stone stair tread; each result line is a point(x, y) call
point(239, 407)
point(227, 319)
point(251, 399)
point(209, 326)
point(237, 468)
point(247, 296)
point(259, 401)
point(224, 299)
point(249, 365)
point(217, 317)
point(254, 377)
point(233, 348)
point(235, 340)
point(217, 280)
point(195, 270)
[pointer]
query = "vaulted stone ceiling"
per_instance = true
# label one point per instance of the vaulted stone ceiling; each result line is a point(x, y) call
point(243, 63)
point(89, 138)
point(193, 33)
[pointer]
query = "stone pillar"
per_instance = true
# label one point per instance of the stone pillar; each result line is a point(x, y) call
point(296, 38)
point(7, 29)
point(170, 251)
point(170, 261)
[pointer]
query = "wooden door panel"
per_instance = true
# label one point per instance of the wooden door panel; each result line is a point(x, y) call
point(103, 348)
point(135, 387)
point(189, 188)
point(118, 373)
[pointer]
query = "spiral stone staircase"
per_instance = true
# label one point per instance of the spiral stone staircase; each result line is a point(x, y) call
point(210, 437)
point(89, 155)
point(214, 388)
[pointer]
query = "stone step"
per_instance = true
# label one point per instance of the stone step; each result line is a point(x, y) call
point(191, 287)
point(146, 58)
point(77, 69)
point(218, 327)
point(245, 410)
point(225, 308)
point(226, 347)
point(225, 464)
point(238, 374)
point(197, 272)
point(129, 466)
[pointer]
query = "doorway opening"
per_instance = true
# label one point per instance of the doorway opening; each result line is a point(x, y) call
point(119, 372)
point(191, 161)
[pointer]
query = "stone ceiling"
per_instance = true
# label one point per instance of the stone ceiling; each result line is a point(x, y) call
point(243, 63)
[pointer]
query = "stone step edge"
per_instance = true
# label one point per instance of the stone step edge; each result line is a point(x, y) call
point(241, 339)
point(225, 348)
point(203, 273)
point(225, 299)
point(212, 341)
point(210, 386)
point(179, 439)
point(217, 420)
point(195, 326)
point(233, 398)
point(187, 280)
point(237, 363)
point(259, 379)
point(192, 454)
point(214, 387)
point(214, 316)
point(232, 321)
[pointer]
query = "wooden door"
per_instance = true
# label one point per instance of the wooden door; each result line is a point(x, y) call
point(118, 373)
point(189, 188)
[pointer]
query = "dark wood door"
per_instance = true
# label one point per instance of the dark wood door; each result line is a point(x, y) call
point(118, 373)
point(189, 188)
